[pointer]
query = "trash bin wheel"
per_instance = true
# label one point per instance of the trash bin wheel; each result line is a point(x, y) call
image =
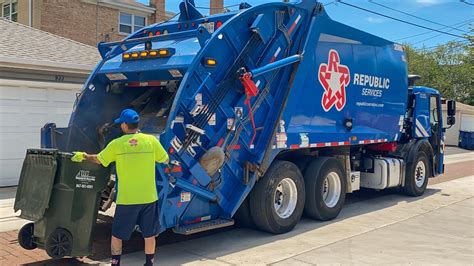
point(26, 236)
point(59, 243)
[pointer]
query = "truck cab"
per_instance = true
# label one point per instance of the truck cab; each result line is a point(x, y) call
point(426, 120)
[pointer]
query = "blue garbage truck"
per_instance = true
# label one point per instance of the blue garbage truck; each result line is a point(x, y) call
point(267, 113)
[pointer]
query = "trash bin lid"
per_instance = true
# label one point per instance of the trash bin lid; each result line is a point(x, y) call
point(36, 183)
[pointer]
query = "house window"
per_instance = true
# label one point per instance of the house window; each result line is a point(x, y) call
point(129, 23)
point(10, 10)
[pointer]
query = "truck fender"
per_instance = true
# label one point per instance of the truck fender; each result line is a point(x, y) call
point(412, 152)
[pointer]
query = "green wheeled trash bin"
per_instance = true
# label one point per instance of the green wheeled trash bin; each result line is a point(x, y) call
point(62, 199)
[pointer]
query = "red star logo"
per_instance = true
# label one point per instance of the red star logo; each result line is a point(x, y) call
point(133, 142)
point(334, 78)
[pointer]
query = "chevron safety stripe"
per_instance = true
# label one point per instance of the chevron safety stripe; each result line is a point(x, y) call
point(420, 130)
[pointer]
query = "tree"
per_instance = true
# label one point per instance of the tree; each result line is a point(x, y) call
point(448, 68)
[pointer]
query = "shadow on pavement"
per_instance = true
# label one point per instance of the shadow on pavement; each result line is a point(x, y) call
point(246, 238)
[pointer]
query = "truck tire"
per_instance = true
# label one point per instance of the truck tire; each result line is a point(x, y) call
point(243, 217)
point(416, 176)
point(26, 236)
point(325, 188)
point(277, 200)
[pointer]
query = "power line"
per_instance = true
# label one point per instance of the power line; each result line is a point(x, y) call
point(411, 15)
point(432, 37)
point(467, 3)
point(400, 20)
point(455, 45)
point(427, 32)
point(456, 42)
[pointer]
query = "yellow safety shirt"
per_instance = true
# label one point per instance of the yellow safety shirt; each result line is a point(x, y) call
point(135, 156)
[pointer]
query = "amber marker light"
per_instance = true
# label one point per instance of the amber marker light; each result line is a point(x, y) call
point(163, 52)
point(211, 62)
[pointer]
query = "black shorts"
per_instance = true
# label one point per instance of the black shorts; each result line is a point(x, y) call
point(146, 216)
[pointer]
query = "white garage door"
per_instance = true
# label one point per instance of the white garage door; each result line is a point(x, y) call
point(25, 106)
point(467, 122)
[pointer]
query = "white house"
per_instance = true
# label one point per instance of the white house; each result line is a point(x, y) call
point(40, 75)
point(464, 122)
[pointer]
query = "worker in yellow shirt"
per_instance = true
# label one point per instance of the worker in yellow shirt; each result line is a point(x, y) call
point(135, 155)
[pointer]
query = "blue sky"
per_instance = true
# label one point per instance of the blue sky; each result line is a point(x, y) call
point(447, 12)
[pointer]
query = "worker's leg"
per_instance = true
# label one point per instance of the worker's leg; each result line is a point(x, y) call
point(116, 250)
point(150, 244)
point(116, 246)
point(125, 219)
point(149, 221)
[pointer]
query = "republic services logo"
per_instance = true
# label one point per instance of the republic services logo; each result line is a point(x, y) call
point(334, 78)
point(133, 142)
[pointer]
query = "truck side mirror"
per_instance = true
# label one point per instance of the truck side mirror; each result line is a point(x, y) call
point(451, 108)
point(451, 120)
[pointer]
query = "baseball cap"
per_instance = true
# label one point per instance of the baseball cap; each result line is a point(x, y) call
point(128, 116)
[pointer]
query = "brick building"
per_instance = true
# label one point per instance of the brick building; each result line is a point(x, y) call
point(217, 6)
point(86, 21)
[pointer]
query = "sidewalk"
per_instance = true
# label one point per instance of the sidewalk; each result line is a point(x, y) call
point(460, 157)
point(435, 229)
point(8, 218)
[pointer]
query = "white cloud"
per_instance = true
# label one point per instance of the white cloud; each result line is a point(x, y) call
point(375, 20)
point(428, 2)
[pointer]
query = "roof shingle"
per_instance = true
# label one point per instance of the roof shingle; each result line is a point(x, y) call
point(26, 45)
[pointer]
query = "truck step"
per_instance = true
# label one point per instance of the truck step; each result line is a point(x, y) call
point(203, 226)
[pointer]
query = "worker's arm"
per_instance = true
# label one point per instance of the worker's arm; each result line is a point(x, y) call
point(92, 158)
point(160, 154)
point(105, 157)
point(82, 156)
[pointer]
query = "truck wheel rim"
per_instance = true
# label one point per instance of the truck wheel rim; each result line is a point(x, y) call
point(331, 189)
point(285, 198)
point(420, 173)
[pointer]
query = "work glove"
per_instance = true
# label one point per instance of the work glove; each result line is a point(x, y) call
point(78, 156)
